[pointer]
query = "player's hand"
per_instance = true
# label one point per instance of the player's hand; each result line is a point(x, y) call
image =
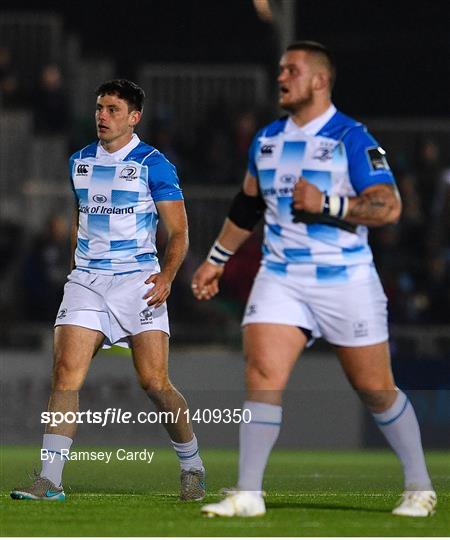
point(307, 196)
point(205, 283)
point(158, 294)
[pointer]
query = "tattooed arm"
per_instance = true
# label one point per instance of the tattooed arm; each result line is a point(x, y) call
point(376, 206)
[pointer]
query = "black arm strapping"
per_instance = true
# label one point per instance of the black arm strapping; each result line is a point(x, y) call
point(300, 216)
point(245, 210)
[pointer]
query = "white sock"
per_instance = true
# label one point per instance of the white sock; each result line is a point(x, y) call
point(400, 427)
point(189, 455)
point(53, 464)
point(256, 440)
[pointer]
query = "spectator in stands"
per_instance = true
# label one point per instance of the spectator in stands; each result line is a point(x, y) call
point(11, 94)
point(415, 266)
point(51, 103)
point(407, 271)
point(11, 245)
point(186, 311)
point(245, 126)
point(428, 169)
point(438, 290)
point(214, 147)
point(240, 273)
point(438, 262)
point(413, 220)
point(5, 61)
point(46, 270)
point(431, 288)
point(163, 137)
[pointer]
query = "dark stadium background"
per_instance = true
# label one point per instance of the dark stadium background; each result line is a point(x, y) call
point(392, 61)
point(392, 56)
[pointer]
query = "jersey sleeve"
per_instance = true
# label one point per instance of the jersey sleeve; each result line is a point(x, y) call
point(163, 179)
point(367, 163)
point(252, 153)
point(71, 165)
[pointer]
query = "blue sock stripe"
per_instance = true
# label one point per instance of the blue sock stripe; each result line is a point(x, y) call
point(387, 422)
point(265, 423)
point(187, 457)
point(56, 452)
point(184, 451)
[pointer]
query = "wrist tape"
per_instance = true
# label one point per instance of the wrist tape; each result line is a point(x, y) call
point(334, 205)
point(218, 255)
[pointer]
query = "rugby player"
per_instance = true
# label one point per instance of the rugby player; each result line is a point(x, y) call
point(320, 180)
point(117, 290)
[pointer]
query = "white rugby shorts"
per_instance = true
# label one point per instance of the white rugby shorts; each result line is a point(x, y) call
point(350, 314)
point(112, 304)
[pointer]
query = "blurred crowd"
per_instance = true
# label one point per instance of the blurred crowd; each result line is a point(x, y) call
point(216, 153)
point(47, 99)
point(413, 257)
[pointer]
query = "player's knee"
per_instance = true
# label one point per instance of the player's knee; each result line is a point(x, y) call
point(258, 375)
point(66, 377)
point(155, 386)
point(255, 371)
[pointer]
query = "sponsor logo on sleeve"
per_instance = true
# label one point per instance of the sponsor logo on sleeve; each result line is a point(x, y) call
point(377, 159)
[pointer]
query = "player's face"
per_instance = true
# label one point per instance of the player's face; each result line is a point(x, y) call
point(295, 81)
point(113, 120)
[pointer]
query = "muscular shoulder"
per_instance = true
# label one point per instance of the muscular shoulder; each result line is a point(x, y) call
point(367, 161)
point(354, 134)
point(162, 174)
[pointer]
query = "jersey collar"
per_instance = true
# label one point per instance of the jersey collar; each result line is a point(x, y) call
point(314, 126)
point(120, 154)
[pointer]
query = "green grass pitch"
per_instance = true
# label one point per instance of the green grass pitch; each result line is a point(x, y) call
point(316, 493)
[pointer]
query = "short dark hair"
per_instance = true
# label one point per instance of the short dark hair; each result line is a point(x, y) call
point(124, 89)
point(319, 49)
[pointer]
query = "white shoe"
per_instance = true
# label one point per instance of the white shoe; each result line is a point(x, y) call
point(416, 504)
point(237, 503)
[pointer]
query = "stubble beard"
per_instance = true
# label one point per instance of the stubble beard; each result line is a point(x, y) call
point(299, 105)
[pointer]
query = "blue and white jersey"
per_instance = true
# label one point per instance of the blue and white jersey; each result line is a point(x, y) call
point(339, 156)
point(116, 196)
